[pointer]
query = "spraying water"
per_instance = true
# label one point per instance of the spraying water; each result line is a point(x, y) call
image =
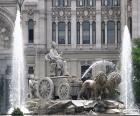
point(95, 64)
point(127, 95)
point(17, 92)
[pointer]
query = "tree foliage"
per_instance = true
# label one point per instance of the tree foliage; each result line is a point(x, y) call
point(136, 68)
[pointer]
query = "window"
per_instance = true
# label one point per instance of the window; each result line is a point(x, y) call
point(103, 2)
point(103, 32)
point(69, 32)
point(61, 3)
point(116, 2)
point(86, 2)
point(30, 31)
point(130, 25)
point(93, 2)
point(54, 31)
point(83, 69)
point(61, 33)
point(86, 32)
point(118, 32)
point(94, 32)
point(30, 70)
point(8, 70)
point(110, 32)
point(78, 32)
point(53, 2)
point(80, 2)
point(110, 2)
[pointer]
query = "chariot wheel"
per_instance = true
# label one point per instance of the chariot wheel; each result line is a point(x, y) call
point(63, 91)
point(45, 88)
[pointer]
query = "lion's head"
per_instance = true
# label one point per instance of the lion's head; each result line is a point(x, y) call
point(114, 79)
point(101, 78)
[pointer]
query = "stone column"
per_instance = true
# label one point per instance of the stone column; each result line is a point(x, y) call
point(123, 14)
point(42, 66)
point(42, 24)
point(91, 32)
point(66, 32)
point(105, 32)
point(98, 23)
point(49, 23)
point(73, 23)
point(115, 32)
point(56, 32)
point(81, 33)
point(25, 28)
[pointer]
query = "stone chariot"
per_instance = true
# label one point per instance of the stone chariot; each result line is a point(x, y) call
point(63, 87)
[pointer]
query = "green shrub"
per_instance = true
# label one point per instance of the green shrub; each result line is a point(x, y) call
point(17, 112)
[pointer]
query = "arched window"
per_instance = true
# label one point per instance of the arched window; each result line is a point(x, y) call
point(61, 33)
point(69, 32)
point(54, 31)
point(130, 25)
point(118, 32)
point(86, 32)
point(30, 31)
point(110, 32)
point(78, 32)
point(61, 3)
point(103, 32)
point(94, 32)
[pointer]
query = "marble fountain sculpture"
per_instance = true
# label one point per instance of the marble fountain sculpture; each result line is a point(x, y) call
point(106, 93)
point(101, 91)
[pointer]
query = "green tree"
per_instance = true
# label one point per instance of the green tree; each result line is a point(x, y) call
point(136, 68)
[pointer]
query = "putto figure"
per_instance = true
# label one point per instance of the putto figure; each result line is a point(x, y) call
point(58, 64)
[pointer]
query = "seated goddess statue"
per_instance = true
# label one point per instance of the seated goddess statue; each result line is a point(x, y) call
point(58, 64)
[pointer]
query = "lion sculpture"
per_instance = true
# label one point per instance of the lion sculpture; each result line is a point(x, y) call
point(113, 81)
point(101, 86)
point(93, 89)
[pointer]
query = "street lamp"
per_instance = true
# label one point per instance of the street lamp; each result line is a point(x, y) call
point(20, 3)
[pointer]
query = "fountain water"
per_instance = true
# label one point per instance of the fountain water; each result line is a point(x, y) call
point(127, 95)
point(17, 92)
point(95, 64)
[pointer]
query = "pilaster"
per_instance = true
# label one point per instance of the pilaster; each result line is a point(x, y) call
point(98, 23)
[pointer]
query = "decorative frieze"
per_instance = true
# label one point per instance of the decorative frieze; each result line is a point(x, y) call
point(110, 12)
point(86, 13)
point(61, 13)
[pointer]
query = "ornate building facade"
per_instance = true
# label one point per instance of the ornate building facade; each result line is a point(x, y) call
point(84, 30)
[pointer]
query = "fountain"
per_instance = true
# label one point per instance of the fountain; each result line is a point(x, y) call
point(17, 87)
point(127, 95)
point(97, 63)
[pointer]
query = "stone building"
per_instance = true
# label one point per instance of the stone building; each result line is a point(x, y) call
point(84, 30)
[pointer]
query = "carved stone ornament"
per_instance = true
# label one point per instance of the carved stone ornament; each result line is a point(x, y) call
point(5, 34)
point(110, 12)
point(86, 13)
point(61, 13)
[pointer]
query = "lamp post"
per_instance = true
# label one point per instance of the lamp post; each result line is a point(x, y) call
point(20, 3)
